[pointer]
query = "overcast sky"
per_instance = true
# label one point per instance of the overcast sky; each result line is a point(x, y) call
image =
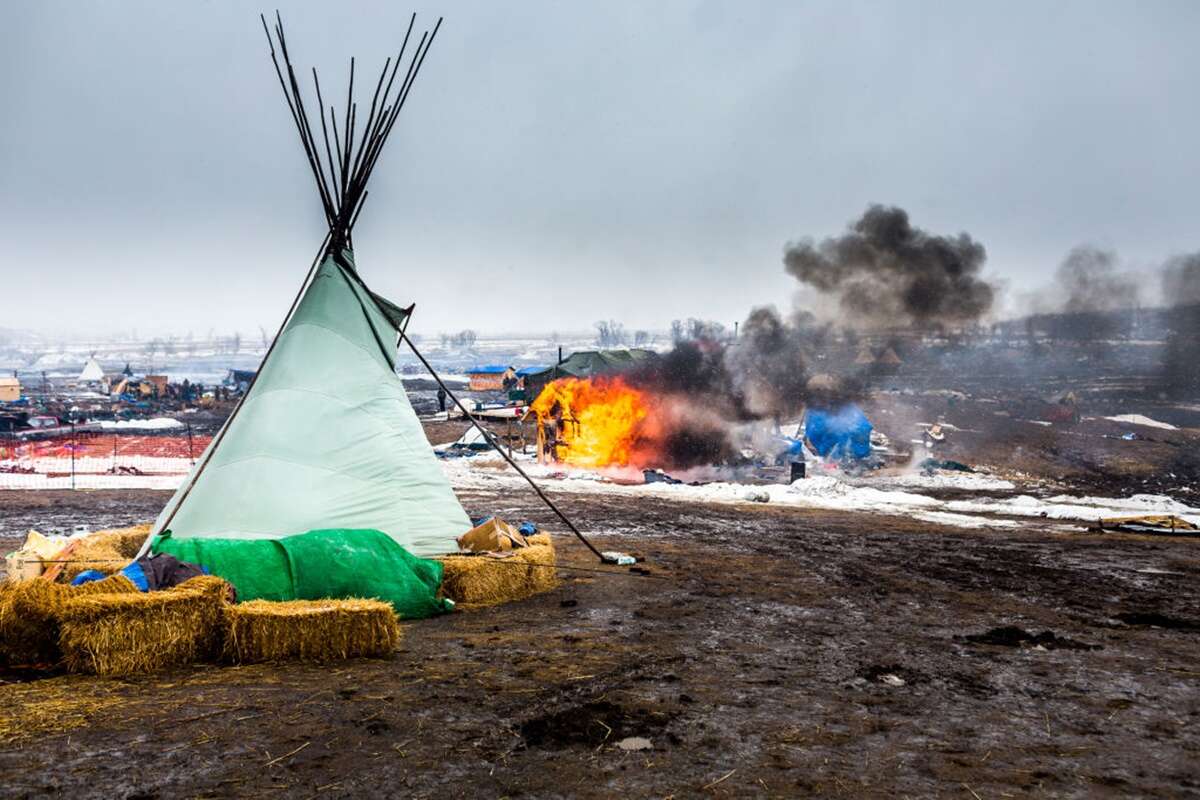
point(559, 163)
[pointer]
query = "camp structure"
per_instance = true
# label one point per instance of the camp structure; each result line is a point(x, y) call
point(92, 372)
point(490, 377)
point(586, 364)
point(324, 437)
point(865, 356)
point(890, 357)
point(10, 390)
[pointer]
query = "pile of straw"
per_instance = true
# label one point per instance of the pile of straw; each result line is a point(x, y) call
point(479, 580)
point(107, 551)
point(309, 630)
point(127, 634)
point(30, 612)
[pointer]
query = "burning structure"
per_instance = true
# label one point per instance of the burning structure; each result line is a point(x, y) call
point(704, 403)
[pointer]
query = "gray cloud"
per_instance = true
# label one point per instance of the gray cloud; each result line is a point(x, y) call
point(590, 161)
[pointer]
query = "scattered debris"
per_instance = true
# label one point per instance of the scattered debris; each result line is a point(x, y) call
point(1155, 524)
point(931, 465)
point(658, 476)
point(632, 743)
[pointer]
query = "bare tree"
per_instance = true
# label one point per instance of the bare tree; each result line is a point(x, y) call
point(151, 347)
point(610, 333)
point(693, 330)
point(464, 339)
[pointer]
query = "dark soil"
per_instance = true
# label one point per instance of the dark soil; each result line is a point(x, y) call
point(768, 652)
point(1012, 636)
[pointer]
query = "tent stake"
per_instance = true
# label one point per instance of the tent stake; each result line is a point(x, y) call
point(487, 435)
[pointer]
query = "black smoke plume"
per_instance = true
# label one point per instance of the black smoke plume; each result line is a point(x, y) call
point(1085, 300)
point(1181, 280)
point(1090, 280)
point(709, 386)
point(767, 365)
point(885, 272)
point(1181, 289)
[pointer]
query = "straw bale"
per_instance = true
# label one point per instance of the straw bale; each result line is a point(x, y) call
point(107, 551)
point(126, 541)
point(476, 581)
point(30, 612)
point(129, 634)
point(309, 630)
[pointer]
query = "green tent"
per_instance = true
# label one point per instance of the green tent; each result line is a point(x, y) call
point(325, 438)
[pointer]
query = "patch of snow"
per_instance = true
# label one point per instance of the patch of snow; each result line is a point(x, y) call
point(834, 494)
point(44, 482)
point(1083, 509)
point(1146, 422)
point(975, 482)
point(155, 424)
point(964, 520)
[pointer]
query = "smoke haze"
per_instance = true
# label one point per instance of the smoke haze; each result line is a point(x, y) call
point(1089, 279)
point(883, 272)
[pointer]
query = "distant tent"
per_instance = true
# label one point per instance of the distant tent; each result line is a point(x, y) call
point(890, 357)
point(841, 433)
point(587, 364)
point(239, 379)
point(325, 437)
point(92, 373)
point(865, 356)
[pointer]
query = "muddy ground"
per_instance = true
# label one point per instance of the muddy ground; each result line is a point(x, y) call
point(769, 652)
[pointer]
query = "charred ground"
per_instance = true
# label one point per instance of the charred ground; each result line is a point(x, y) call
point(769, 652)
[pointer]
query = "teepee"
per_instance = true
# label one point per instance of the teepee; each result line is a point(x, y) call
point(325, 436)
point(92, 372)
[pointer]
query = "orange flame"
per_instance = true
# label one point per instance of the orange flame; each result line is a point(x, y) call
point(595, 422)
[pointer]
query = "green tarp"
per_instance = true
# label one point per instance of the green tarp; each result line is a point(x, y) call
point(326, 437)
point(317, 565)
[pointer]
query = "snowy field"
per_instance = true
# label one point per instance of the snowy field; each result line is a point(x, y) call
point(900, 495)
point(998, 503)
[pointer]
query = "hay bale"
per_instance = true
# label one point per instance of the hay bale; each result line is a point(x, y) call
point(476, 581)
point(30, 613)
point(309, 630)
point(107, 551)
point(130, 634)
point(126, 541)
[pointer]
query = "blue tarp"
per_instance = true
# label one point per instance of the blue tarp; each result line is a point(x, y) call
point(841, 433)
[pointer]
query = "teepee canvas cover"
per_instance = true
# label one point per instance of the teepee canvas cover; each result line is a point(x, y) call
point(92, 372)
point(325, 437)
